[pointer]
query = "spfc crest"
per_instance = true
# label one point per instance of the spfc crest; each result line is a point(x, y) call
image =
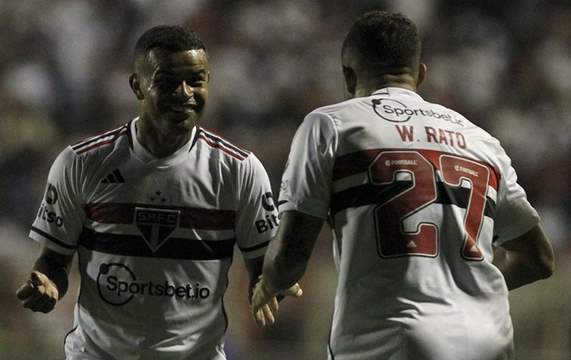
point(156, 225)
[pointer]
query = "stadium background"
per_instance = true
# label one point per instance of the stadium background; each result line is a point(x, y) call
point(64, 66)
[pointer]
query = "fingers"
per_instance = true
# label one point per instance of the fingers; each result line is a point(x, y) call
point(39, 293)
point(37, 278)
point(40, 303)
point(39, 300)
point(25, 291)
point(264, 316)
point(275, 305)
point(264, 305)
point(259, 317)
point(268, 315)
point(294, 291)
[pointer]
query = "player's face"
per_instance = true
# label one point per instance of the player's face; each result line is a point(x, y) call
point(174, 89)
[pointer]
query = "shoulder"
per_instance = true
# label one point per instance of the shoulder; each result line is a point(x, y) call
point(240, 165)
point(450, 116)
point(319, 125)
point(455, 118)
point(102, 143)
point(217, 143)
point(335, 111)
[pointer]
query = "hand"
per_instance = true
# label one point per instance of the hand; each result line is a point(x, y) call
point(265, 302)
point(39, 293)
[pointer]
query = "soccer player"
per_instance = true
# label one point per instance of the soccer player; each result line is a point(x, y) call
point(153, 209)
point(430, 227)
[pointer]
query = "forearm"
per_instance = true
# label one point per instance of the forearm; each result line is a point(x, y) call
point(289, 252)
point(282, 268)
point(56, 270)
point(517, 271)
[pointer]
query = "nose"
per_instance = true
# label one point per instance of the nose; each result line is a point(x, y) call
point(184, 90)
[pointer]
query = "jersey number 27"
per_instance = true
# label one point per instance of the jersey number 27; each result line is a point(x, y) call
point(415, 204)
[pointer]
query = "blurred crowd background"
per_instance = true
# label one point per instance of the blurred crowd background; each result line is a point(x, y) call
point(64, 67)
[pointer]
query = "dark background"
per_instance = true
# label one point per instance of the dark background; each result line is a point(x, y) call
point(64, 67)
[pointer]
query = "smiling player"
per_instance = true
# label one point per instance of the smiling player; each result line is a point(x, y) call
point(153, 209)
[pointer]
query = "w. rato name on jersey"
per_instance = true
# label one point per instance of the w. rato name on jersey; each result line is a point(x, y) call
point(416, 196)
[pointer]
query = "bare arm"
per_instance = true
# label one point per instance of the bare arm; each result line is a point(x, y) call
point(525, 259)
point(254, 267)
point(48, 281)
point(288, 254)
point(285, 263)
point(268, 310)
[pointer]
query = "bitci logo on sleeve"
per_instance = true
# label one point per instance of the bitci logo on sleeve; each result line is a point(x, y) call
point(47, 212)
point(270, 221)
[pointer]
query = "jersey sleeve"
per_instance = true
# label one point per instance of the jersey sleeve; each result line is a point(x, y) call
point(60, 218)
point(257, 216)
point(307, 179)
point(515, 215)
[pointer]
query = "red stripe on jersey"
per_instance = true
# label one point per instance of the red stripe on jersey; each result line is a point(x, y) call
point(193, 218)
point(96, 145)
point(359, 162)
point(217, 138)
point(221, 146)
point(95, 138)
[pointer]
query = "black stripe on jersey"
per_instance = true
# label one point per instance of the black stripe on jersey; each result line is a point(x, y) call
point(51, 238)
point(114, 132)
point(224, 142)
point(254, 248)
point(173, 248)
point(69, 332)
point(378, 194)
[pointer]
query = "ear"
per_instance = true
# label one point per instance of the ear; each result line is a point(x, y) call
point(422, 69)
point(350, 79)
point(136, 86)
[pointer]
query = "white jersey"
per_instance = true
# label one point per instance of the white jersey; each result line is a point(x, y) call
point(155, 239)
point(416, 196)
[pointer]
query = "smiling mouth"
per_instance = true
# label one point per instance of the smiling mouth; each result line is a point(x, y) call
point(183, 108)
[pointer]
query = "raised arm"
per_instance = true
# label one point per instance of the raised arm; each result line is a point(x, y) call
point(48, 281)
point(525, 259)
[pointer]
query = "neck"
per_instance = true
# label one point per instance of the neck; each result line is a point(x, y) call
point(158, 143)
point(372, 83)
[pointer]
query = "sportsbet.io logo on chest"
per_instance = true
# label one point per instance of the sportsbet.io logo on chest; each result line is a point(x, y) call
point(118, 285)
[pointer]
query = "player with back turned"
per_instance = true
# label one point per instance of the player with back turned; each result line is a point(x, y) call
point(154, 210)
point(430, 226)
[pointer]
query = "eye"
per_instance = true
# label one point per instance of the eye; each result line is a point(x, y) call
point(165, 83)
point(197, 80)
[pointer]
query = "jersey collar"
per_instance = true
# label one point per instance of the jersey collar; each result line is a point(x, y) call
point(147, 157)
point(394, 91)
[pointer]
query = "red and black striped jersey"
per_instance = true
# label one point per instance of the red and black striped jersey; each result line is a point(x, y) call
point(416, 196)
point(155, 238)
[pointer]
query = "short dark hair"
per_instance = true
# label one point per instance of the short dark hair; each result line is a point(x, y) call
point(384, 39)
point(167, 37)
